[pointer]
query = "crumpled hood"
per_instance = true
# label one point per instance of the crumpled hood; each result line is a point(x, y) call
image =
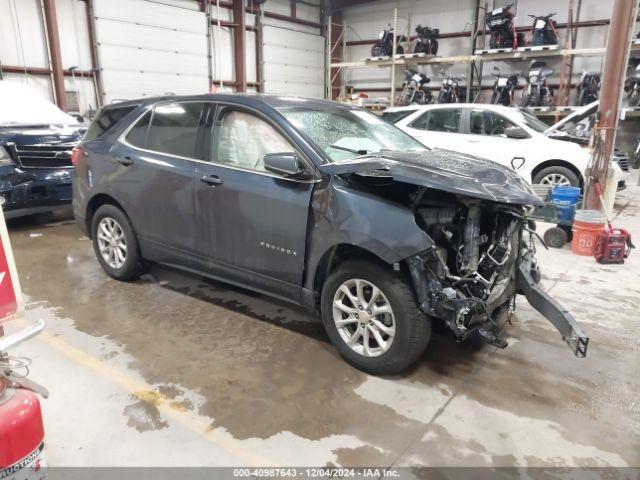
point(442, 170)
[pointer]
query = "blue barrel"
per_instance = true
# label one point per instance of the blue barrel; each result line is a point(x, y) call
point(565, 200)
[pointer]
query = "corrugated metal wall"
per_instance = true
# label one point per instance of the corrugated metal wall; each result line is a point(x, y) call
point(150, 47)
point(23, 42)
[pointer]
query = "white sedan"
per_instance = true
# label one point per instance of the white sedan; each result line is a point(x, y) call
point(498, 133)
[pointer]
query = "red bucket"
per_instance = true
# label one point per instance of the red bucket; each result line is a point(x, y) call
point(587, 225)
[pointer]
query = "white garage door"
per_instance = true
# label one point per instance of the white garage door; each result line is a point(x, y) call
point(293, 62)
point(148, 48)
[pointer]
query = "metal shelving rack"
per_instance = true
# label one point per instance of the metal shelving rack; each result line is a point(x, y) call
point(475, 61)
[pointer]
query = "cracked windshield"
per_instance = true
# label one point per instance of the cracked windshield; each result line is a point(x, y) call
point(343, 134)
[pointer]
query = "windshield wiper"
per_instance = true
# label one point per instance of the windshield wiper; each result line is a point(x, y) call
point(345, 149)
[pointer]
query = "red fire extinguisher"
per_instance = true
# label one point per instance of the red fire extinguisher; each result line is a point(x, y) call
point(21, 430)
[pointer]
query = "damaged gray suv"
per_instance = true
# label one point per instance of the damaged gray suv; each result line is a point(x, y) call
point(320, 204)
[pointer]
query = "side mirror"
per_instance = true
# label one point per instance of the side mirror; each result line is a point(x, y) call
point(286, 163)
point(516, 132)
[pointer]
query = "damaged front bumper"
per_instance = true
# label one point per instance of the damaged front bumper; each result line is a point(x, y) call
point(496, 312)
point(559, 316)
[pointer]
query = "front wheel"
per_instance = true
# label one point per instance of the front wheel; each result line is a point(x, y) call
point(372, 318)
point(115, 243)
point(557, 175)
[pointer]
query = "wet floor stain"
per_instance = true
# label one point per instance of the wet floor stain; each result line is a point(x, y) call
point(262, 368)
point(143, 414)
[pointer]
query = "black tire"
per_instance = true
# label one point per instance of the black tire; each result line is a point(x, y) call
point(434, 47)
point(568, 230)
point(377, 51)
point(634, 100)
point(399, 49)
point(555, 237)
point(525, 100)
point(420, 47)
point(570, 175)
point(493, 40)
point(441, 97)
point(494, 98)
point(412, 327)
point(133, 265)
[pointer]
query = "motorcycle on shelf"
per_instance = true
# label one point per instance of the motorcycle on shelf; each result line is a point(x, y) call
point(537, 93)
point(632, 87)
point(426, 40)
point(384, 46)
point(544, 30)
point(588, 88)
point(503, 88)
point(451, 91)
point(414, 89)
point(503, 30)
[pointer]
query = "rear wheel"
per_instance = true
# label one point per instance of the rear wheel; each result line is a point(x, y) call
point(115, 243)
point(494, 40)
point(377, 51)
point(372, 318)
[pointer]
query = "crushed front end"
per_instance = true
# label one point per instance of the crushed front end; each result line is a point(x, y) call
point(480, 259)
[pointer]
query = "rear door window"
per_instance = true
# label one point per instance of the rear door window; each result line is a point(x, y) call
point(439, 120)
point(106, 120)
point(177, 129)
point(482, 122)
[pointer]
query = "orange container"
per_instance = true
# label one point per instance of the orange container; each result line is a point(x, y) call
point(587, 225)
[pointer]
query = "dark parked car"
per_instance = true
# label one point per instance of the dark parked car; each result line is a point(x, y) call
point(320, 204)
point(36, 140)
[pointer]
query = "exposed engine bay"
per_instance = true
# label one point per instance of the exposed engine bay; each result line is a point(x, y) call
point(470, 272)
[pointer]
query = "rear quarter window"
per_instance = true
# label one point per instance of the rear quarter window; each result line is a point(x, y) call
point(106, 120)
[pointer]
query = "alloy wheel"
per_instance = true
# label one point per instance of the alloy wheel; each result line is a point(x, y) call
point(363, 317)
point(555, 179)
point(111, 242)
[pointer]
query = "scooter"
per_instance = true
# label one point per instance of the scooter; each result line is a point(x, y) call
point(21, 428)
point(426, 40)
point(451, 91)
point(384, 45)
point(415, 89)
point(588, 88)
point(537, 93)
point(544, 30)
point(632, 87)
point(503, 88)
point(503, 30)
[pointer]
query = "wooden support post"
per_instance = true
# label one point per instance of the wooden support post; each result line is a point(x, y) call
point(616, 59)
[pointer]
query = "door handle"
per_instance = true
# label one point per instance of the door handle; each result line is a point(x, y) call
point(211, 180)
point(126, 161)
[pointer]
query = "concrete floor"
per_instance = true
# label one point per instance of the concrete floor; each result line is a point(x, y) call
point(175, 370)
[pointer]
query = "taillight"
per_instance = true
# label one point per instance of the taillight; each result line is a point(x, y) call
point(76, 154)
